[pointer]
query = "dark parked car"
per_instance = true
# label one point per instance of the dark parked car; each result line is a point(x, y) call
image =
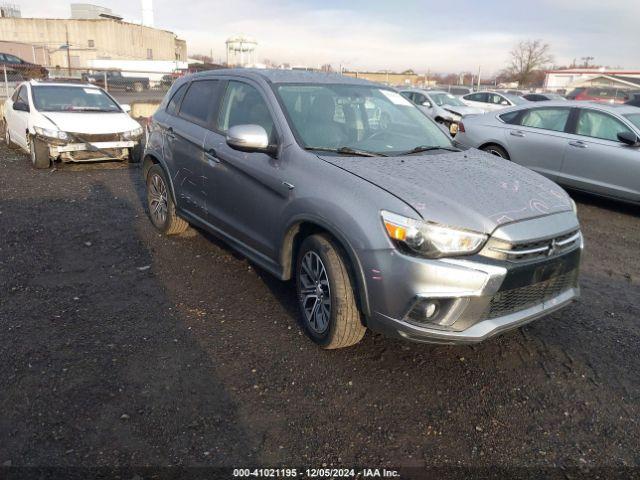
point(543, 97)
point(113, 79)
point(20, 69)
point(634, 100)
point(348, 188)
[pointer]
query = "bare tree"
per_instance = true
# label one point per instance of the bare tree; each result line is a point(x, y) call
point(527, 58)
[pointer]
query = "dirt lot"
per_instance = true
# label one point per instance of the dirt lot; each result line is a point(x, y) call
point(119, 346)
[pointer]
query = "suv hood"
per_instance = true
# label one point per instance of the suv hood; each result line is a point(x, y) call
point(90, 123)
point(469, 189)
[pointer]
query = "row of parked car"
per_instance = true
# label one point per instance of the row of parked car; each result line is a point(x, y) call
point(347, 187)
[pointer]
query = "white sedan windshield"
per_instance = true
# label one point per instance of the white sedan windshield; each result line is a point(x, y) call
point(54, 98)
point(367, 118)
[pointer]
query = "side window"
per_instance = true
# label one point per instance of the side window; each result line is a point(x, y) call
point(546, 118)
point(12, 58)
point(592, 123)
point(199, 102)
point(172, 106)
point(408, 95)
point(478, 97)
point(510, 117)
point(14, 97)
point(419, 98)
point(244, 105)
point(23, 95)
point(496, 99)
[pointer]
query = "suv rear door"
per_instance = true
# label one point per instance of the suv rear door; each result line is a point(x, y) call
point(184, 141)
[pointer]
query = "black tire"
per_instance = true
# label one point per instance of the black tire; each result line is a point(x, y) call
point(496, 150)
point(169, 223)
point(39, 152)
point(7, 136)
point(135, 153)
point(344, 326)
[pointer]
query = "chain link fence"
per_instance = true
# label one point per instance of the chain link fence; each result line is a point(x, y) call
point(125, 86)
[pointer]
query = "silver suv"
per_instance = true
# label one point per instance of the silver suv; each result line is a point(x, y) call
point(346, 187)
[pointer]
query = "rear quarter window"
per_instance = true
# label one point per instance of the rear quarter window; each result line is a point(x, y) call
point(510, 117)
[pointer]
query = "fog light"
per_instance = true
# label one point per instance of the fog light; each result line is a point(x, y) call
point(430, 309)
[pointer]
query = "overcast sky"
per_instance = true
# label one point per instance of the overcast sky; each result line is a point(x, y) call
point(442, 36)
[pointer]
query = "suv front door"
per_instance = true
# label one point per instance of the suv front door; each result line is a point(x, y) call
point(249, 190)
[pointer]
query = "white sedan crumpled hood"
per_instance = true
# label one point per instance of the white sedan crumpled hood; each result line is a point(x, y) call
point(91, 123)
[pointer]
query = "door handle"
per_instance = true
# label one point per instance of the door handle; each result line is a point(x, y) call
point(516, 133)
point(212, 155)
point(170, 133)
point(578, 144)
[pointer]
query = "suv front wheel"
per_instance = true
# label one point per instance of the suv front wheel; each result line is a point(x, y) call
point(162, 210)
point(328, 306)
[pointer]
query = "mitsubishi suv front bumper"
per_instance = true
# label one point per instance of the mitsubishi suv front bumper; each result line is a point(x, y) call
point(525, 271)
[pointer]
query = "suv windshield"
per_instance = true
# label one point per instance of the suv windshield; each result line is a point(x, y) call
point(50, 98)
point(441, 99)
point(364, 118)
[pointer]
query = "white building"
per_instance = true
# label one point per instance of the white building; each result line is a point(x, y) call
point(591, 77)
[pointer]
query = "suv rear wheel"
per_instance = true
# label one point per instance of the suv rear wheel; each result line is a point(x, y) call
point(328, 306)
point(162, 210)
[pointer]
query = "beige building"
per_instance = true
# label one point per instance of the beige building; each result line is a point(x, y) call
point(389, 78)
point(108, 39)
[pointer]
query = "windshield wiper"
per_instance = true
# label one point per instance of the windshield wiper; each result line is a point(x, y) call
point(348, 151)
point(428, 148)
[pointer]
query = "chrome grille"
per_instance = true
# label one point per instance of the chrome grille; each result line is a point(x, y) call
point(517, 299)
point(524, 251)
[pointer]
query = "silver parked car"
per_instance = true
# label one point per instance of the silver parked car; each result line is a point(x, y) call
point(443, 107)
point(593, 147)
point(492, 101)
point(347, 188)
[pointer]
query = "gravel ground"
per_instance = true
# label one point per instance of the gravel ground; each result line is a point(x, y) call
point(122, 347)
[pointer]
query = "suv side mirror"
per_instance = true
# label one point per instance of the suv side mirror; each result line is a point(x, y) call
point(628, 138)
point(21, 106)
point(249, 138)
point(126, 107)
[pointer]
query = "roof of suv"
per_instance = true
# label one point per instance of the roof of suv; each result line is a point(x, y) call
point(287, 76)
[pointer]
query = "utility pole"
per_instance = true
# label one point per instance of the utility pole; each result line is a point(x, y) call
point(586, 61)
point(479, 73)
point(66, 29)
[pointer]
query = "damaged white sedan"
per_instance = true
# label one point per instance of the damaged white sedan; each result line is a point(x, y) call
point(70, 123)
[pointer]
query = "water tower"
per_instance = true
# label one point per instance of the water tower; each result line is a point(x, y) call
point(241, 51)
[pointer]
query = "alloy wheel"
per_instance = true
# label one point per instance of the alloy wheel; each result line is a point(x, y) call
point(157, 199)
point(315, 292)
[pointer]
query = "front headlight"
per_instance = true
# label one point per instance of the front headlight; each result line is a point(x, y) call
point(51, 133)
point(429, 239)
point(132, 134)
